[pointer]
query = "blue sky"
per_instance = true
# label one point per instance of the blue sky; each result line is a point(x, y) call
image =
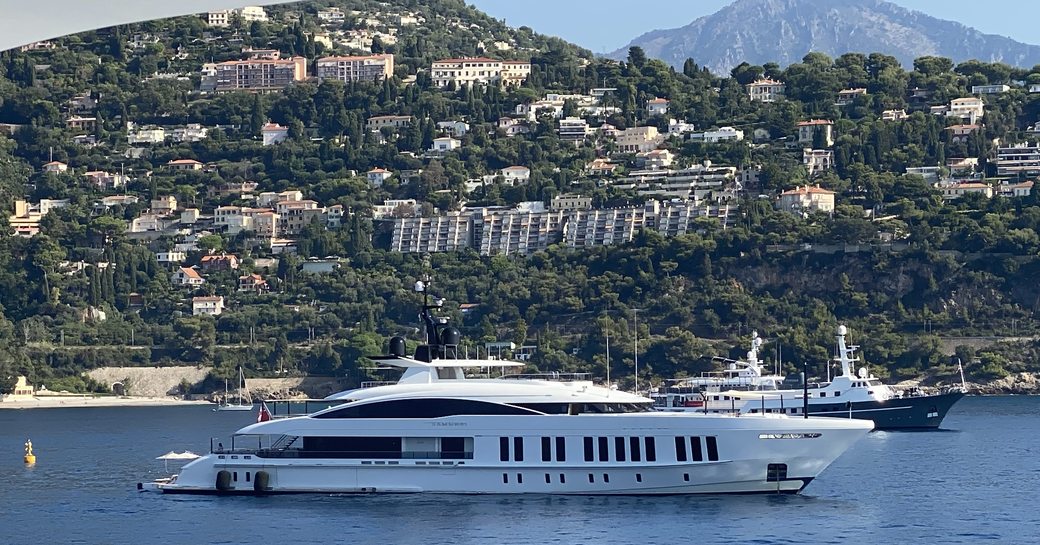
point(606, 25)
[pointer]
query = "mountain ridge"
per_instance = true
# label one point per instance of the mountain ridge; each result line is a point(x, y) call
point(783, 31)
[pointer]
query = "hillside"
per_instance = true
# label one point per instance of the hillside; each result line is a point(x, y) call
point(783, 31)
point(170, 201)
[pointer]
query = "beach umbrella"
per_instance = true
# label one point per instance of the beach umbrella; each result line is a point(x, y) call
point(186, 455)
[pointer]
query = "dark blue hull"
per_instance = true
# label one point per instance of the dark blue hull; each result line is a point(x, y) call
point(921, 412)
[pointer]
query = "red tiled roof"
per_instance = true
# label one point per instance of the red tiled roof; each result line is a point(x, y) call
point(190, 273)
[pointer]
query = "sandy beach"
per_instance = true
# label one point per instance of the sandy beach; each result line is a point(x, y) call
point(55, 402)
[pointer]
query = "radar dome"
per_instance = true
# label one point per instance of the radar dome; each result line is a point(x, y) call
point(862, 372)
point(397, 346)
point(842, 330)
point(451, 337)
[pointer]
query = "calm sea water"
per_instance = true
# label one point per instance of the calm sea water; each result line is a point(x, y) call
point(977, 481)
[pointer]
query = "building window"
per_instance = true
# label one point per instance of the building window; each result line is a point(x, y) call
point(713, 449)
point(619, 449)
point(588, 449)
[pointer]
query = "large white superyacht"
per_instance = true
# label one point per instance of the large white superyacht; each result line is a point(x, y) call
point(436, 430)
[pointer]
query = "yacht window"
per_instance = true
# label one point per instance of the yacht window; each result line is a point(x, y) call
point(519, 478)
point(633, 443)
point(639, 477)
point(234, 476)
point(561, 449)
point(695, 449)
point(606, 477)
point(505, 478)
point(713, 449)
point(446, 373)
point(247, 476)
point(651, 449)
point(518, 449)
point(588, 449)
point(680, 449)
point(547, 479)
point(453, 448)
point(424, 408)
point(503, 449)
point(686, 477)
point(604, 452)
point(619, 449)
point(823, 394)
point(776, 472)
point(837, 394)
point(352, 447)
point(546, 449)
point(563, 479)
point(592, 479)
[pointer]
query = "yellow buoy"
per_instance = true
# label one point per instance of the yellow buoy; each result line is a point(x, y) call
point(29, 457)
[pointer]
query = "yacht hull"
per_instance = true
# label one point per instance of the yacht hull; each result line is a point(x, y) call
point(747, 461)
point(921, 412)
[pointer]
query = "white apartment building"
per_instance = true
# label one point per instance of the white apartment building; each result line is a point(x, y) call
point(210, 306)
point(273, 133)
point(1020, 160)
point(817, 160)
point(570, 201)
point(807, 131)
point(766, 90)
point(894, 115)
point(521, 231)
point(573, 129)
point(136, 136)
point(192, 132)
point(445, 144)
point(362, 68)
point(657, 106)
point(637, 139)
point(970, 108)
point(722, 134)
point(481, 70)
point(989, 89)
point(804, 198)
point(437, 234)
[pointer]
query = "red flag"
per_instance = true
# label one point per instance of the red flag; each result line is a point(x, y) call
point(265, 414)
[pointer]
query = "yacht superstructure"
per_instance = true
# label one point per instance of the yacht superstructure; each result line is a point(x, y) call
point(438, 431)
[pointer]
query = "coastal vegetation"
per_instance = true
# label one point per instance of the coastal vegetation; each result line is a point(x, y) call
point(895, 262)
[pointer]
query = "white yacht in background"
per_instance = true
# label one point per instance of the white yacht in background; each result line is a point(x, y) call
point(436, 430)
point(852, 394)
point(746, 374)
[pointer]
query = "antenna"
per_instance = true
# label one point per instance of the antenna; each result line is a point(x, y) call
point(635, 315)
point(606, 330)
